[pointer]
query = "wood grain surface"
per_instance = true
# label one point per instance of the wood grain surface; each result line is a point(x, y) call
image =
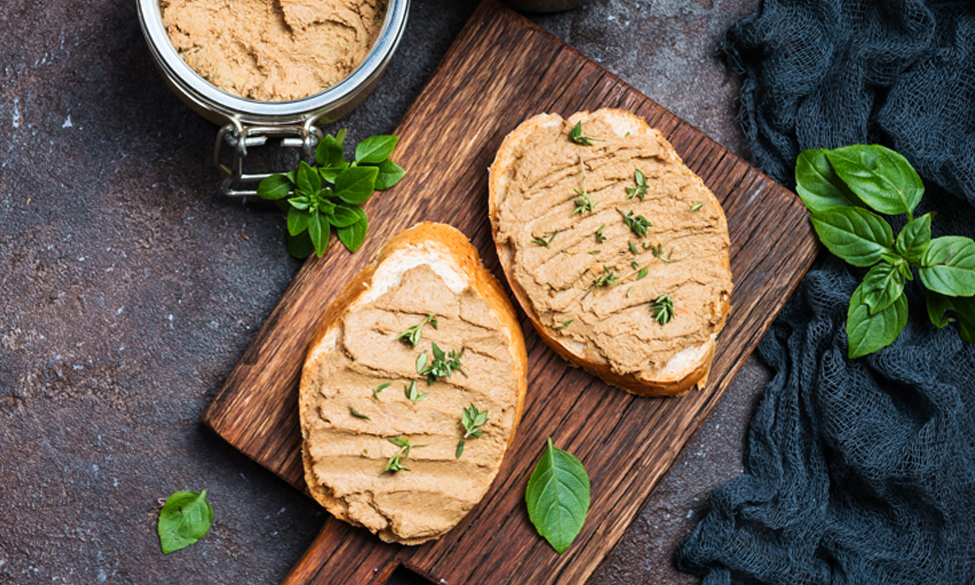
point(501, 70)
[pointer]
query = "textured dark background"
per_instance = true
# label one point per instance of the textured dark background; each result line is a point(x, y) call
point(129, 288)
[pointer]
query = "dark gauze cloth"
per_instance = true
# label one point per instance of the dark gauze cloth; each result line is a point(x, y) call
point(857, 471)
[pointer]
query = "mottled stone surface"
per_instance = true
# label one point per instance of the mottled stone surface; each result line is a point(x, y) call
point(129, 289)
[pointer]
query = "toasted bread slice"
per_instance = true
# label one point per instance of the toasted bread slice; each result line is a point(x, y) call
point(387, 457)
point(590, 253)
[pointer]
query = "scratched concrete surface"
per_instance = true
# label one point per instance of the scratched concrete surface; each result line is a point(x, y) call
point(128, 290)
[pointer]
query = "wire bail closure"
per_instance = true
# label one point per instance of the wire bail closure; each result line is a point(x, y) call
point(239, 137)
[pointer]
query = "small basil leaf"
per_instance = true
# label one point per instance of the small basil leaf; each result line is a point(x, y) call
point(274, 187)
point(185, 518)
point(854, 234)
point(868, 333)
point(375, 149)
point(818, 185)
point(389, 174)
point(330, 173)
point(329, 152)
point(299, 203)
point(913, 240)
point(318, 229)
point(558, 497)
point(343, 216)
point(880, 177)
point(300, 246)
point(309, 180)
point(948, 266)
point(882, 285)
point(355, 185)
point(964, 309)
point(354, 235)
point(324, 205)
point(298, 221)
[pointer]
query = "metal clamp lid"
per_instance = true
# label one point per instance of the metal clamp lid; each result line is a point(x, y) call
point(240, 137)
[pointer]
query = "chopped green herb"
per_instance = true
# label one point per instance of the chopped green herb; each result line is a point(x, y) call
point(395, 462)
point(584, 204)
point(421, 362)
point(697, 205)
point(641, 186)
point(628, 291)
point(358, 414)
point(638, 224)
point(642, 274)
point(563, 325)
point(413, 333)
point(412, 394)
point(633, 247)
point(472, 420)
point(576, 135)
point(543, 242)
point(443, 364)
point(634, 265)
point(378, 389)
point(600, 238)
point(662, 309)
point(608, 278)
point(594, 252)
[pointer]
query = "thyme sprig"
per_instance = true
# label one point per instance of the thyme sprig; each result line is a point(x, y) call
point(608, 278)
point(413, 333)
point(638, 223)
point(641, 186)
point(395, 462)
point(576, 135)
point(662, 309)
point(442, 365)
point(541, 241)
point(472, 420)
point(412, 393)
point(600, 238)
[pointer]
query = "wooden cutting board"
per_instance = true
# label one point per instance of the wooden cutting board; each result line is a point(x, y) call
point(501, 70)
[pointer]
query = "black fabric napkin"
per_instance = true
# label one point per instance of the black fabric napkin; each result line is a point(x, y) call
point(857, 471)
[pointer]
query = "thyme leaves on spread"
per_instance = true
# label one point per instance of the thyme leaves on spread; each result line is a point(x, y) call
point(576, 135)
point(641, 186)
point(584, 203)
point(442, 365)
point(633, 248)
point(600, 238)
point(413, 333)
point(358, 414)
point(642, 274)
point(662, 309)
point(378, 389)
point(413, 394)
point(395, 462)
point(608, 278)
point(541, 241)
point(472, 420)
point(658, 252)
point(638, 223)
point(563, 325)
point(697, 205)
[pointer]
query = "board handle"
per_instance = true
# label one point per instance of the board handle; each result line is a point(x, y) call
point(341, 554)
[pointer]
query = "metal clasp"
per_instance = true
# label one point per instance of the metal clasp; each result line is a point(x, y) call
point(240, 137)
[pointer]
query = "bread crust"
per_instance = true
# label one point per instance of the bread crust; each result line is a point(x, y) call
point(623, 122)
point(463, 254)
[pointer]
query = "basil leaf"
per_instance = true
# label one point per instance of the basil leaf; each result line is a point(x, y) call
point(318, 229)
point(948, 266)
point(184, 519)
point(329, 152)
point(354, 235)
point(913, 240)
point(300, 203)
point(882, 285)
point(558, 497)
point(298, 221)
point(300, 246)
point(309, 180)
point(375, 149)
point(330, 173)
point(274, 187)
point(355, 185)
point(818, 185)
point(343, 216)
point(389, 174)
point(880, 177)
point(964, 308)
point(868, 333)
point(854, 234)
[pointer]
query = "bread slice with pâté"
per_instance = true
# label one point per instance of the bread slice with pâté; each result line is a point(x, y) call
point(617, 252)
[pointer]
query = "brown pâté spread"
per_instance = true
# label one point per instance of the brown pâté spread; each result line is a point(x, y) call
point(348, 453)
point(564, 255)
point(273, 50)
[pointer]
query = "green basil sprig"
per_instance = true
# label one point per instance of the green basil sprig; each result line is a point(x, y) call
point(329, 194)
point(558, 497)
point(184, 519)
point(843, 188)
